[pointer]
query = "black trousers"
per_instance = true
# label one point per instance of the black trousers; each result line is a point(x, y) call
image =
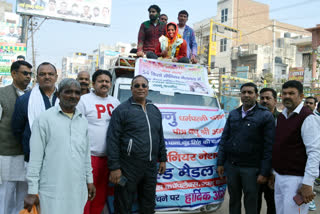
point(142, 180)
point(269, 196)
point(242, 179)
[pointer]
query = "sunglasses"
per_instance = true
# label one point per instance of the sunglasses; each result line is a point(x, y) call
point(26, 73)
point(138, 85)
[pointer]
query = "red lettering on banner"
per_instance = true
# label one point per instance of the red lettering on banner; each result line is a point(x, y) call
point(190, 184)
point(100, 109)
point(109, 107)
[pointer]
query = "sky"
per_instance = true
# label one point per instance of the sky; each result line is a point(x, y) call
point(57, 39)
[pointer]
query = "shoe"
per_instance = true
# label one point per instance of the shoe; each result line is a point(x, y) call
point(312, 206)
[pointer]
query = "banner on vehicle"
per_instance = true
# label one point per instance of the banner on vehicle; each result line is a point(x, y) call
point(192, 135)
point(174, 77)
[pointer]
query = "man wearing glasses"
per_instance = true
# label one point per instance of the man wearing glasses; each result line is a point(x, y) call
point(135, 145)
point(29, 106)
point(13, 186)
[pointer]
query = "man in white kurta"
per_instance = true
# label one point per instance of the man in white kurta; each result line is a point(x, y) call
point(60, 166)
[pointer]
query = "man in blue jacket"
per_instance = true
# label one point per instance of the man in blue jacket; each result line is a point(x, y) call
point(30, 105)
point(134, 145)
point(188, 34)
point(246, 149)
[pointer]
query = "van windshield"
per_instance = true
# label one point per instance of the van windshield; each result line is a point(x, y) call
point(178, 99)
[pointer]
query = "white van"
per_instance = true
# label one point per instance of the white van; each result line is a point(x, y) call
point(193, 124)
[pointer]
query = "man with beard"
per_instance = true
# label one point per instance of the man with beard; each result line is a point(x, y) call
point(84, 79)
point(268, 98)
point(245, 150)
point(97, 107)
point(150, 32)
point(30, 105)
point(296, 152)
point(60, 168)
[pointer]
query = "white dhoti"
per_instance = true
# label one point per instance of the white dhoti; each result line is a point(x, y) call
point(13, 184)
point(286, 187)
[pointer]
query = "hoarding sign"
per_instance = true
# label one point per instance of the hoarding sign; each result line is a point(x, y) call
point(95, 12)
point(10, 33)
point(8, 54)
point(296, 74)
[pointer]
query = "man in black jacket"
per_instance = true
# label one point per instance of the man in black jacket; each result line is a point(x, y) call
point(245, 150)
point(134, 145)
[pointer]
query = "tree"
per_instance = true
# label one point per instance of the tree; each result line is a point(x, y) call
point(268, 77)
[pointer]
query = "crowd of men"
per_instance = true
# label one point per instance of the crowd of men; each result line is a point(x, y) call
point(60, 146)
point(54, 144)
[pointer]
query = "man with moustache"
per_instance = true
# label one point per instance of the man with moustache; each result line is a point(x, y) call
point(84, 79)
point(135, 145)
point(245, 150)
point(13, 186)
point(30, 105)
point(150, 32)
point(268, 98)
point(97, 107)
point(163, 18)
point(311, 103)
point(296, 151)
point(60, 168)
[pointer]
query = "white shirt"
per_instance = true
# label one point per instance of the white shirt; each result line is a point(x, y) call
point(311, 138)
point(98, 111)
point(181, 30)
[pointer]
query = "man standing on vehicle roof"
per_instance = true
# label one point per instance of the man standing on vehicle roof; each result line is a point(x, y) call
point(187, 34)
point(97, 107)
point(245, 150)
point(150, 32)
point(135, 144)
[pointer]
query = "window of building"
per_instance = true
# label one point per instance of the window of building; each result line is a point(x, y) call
point(222, 70)
point(284, 72)
point(224, 15)
point(223, 45)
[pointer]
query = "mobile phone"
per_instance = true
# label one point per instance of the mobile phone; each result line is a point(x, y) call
point(298, 199)
point(123, 181)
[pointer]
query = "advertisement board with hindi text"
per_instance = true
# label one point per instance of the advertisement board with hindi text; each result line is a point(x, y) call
point(96, 12)
point(8, 54)
point(296, 74)
point(174, 77)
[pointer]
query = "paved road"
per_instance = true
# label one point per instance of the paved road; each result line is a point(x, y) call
point(224, 209)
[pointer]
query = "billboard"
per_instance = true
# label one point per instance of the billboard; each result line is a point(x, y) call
point(10, 33)
point(95, 12)
point(8, 54)
point(296, 74)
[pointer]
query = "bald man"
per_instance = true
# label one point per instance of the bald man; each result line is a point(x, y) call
point(84, 79)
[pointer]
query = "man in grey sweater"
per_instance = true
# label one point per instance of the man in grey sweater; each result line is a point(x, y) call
point(13, 185)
